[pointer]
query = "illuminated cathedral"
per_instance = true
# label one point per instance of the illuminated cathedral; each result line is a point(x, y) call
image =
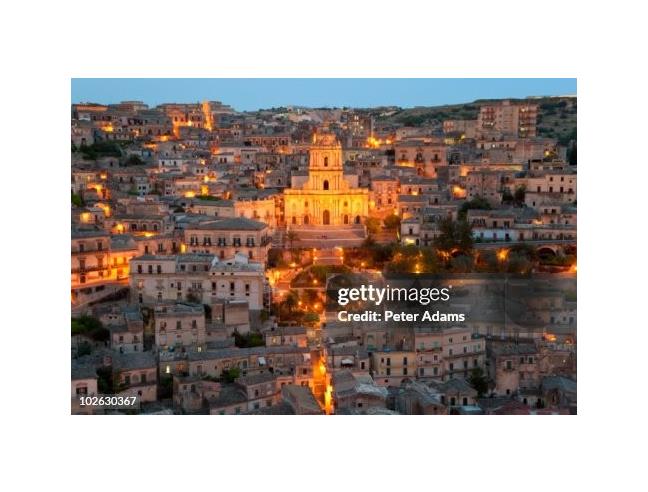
point(325, 197)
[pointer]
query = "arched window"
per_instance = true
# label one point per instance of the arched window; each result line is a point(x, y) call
point(325, 161)
point(346, 219)
point(357, 219)
point(326, 184)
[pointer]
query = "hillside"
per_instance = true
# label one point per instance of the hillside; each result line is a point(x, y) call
point(556, 116)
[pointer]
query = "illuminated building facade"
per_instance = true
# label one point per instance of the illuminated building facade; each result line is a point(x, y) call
point(326, 198)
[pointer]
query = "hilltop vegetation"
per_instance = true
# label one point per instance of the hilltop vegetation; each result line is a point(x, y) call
point(556, 115)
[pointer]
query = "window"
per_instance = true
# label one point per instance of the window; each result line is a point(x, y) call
point(326, 165)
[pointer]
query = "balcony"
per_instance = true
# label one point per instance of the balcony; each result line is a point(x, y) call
point(465, 354)
point(89, 250)
point(430, 349)
point(87, 269)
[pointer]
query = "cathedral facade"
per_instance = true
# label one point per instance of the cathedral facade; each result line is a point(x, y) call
point(325, 198)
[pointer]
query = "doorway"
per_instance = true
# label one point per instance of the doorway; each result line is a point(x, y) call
point(326, 217)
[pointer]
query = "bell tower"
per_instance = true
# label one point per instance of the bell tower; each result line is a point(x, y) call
point(325, 169)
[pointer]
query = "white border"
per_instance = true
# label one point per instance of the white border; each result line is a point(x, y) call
point(48, 43)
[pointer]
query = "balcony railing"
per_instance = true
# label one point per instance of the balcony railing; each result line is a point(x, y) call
point(87, 269)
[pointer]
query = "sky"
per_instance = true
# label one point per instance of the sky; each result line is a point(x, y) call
point(253, 94)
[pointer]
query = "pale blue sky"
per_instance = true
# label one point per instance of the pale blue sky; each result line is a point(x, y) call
point(252, 94)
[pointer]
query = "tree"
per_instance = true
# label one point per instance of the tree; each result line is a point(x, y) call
point(465, 241)
point(311, 318)
point(208, 311)
point(193, 298)
point(454, 235)
point(291, 301)
point(105, 381)
point(165, 388)
point(133, 160)
point(77, 200)
point(91, 327)
point(461, 264)
point(392, 222)
point(507, 197)
point(84, 348)
point(478, 381)
point(525, 250)
point(477, 203)
point(373, 225)
point(571, 154)
point(368, 243)
point(292, 236)
point(230, 375)
point(274, 258)
point(252, 339)
point(519, 195)
point(489, 260)
point(518, 263)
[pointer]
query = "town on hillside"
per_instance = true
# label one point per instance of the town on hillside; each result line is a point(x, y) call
point(204, 241)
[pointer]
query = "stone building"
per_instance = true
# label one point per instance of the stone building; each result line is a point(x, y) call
point(326, 198)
